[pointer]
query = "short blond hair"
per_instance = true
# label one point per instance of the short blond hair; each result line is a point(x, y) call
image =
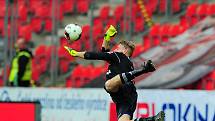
point(128, 44)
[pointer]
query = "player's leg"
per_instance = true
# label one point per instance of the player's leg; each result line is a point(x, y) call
point(112, 85)
point(159, 117)
point(124, 117)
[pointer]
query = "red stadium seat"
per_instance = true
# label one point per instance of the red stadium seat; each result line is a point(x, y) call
point(2, 9)
point(68, 6)
point(210, 85)
point(104, 12)
point(85, 36)
point(25, 32)
point(69, 83)
point(85, 31)
point(164, 32)
point(154, 31)
point(40, 50)
point(43, 11)
point(8, 31)
point(1, 25)
point(176, 6)
point(202, 11)
point(136, 11)
point(41, 59)
point(211, 9)
point(48, 25)
point(124, 25)
point(146, 42)
point(82, 6)
point(119, 12)
point(111, 21)
point(22, 12)
point(162, 6)
point(97, 31)
point(97, 21)
point(194, 20)
point(36, 24)
point(64, 65)
point(139, 49)
point(155, 41)
point(191, 9)
point(174, 30)
point(138, 24)
point(36, 71)
point(76, 76)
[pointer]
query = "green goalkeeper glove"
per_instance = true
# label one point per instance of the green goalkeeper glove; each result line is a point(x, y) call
point(71, 51)
point(110, 33)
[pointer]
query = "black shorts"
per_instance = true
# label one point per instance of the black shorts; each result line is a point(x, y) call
point(125, 100)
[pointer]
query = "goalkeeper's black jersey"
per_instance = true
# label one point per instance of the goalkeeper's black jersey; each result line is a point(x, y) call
point(118, 62)
point(121, 64)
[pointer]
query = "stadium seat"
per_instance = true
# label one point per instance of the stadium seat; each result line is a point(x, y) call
point(155, 41)
point(97, 32)
point(202, 11)
point(63, 65)
point(164, 32)
point(85, 37)
point(44, 11)
point(1, 25)
point(36, 71)
point(176, 6)
point(174, 30)
point(124, 25)
point(8, 31)
point(211, 9)
point(136, 11)
point(41, 59)
point(48, 25)
point(210, 85)
point(119, 12)
point(111, 21)
point(104, 12)
point(36, 24)
point(25, 32)
point(2, 9)
point(68, 6)
point(82, 6)
point(146, 42)
point(22, 12)
point(97, 21)
point(85, 31)
point(162, 6)
point(76, 76)
point(191, 9)
point(154, 35)
point(194, 20)
point(138, 25)
point(154, 31)
point(69, 83)
point(138, 49)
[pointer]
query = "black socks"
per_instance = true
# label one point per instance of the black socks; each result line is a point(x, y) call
point(145, 119)
point(128, 76)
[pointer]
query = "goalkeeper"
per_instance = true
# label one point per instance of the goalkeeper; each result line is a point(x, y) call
point(119, 75)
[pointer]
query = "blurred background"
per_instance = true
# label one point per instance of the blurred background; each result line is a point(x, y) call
point(181, 42)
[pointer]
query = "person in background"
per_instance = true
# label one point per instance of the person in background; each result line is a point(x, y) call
point(21, 68)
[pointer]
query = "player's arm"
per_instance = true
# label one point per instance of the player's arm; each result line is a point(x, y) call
point(106, 41)
point(109, 57)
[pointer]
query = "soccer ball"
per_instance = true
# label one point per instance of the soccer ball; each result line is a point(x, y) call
point(72, 32)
